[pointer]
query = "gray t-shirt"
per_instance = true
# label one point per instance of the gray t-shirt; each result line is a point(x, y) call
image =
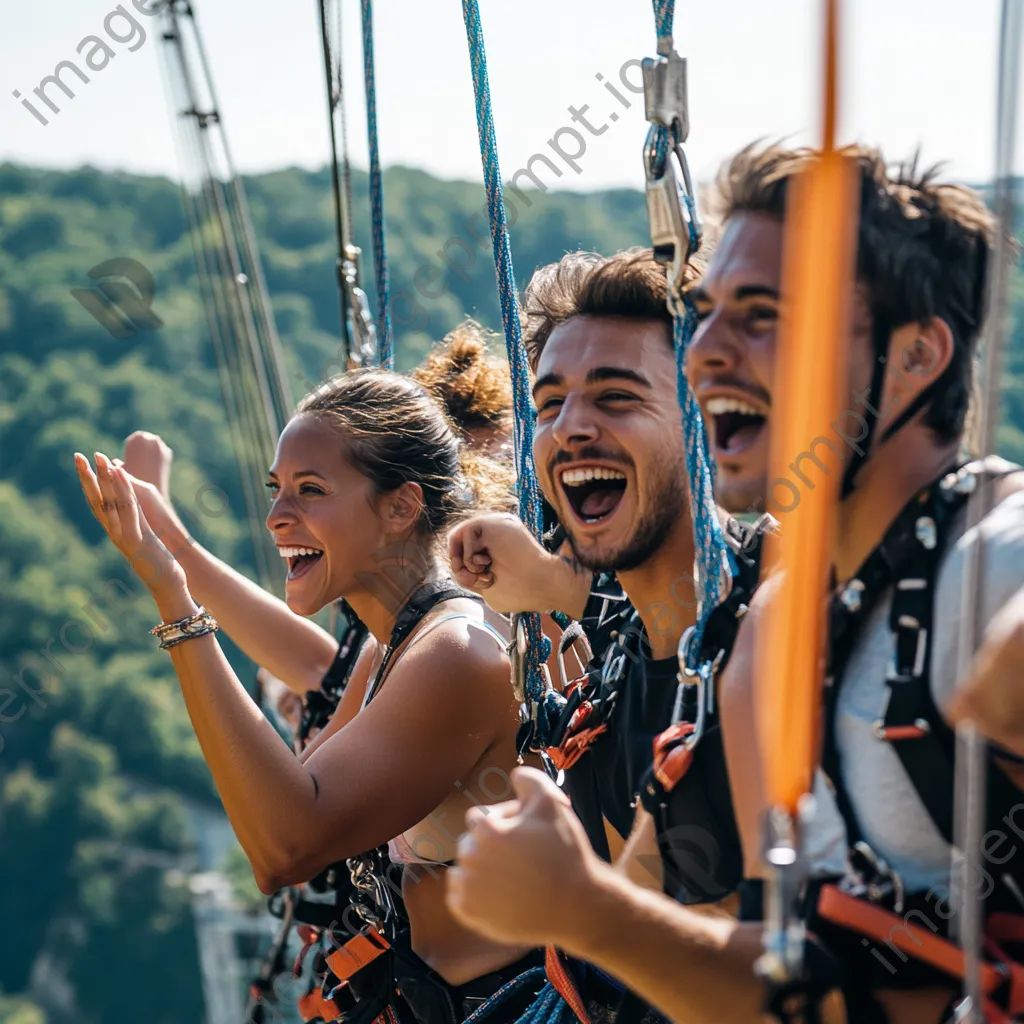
point(893, 818)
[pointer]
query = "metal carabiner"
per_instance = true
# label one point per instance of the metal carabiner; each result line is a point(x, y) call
point(700, 677)
point(675, 225)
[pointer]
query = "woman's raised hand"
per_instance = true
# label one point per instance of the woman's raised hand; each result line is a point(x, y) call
point(112, 499)
point(148, 458)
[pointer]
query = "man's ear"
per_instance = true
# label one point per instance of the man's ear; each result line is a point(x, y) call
point(401, 509)
point(919, 354)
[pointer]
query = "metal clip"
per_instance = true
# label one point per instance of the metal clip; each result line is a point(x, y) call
point(690, 677)
point(671, 203)
point(665, 95)
point(517, 655)
point(676, 230)
point(784, 932)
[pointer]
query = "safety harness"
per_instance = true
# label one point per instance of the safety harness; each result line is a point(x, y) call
point(883, 936)
point(365, 969)
point(688, 814)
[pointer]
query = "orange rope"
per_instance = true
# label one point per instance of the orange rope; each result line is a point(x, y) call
point(810, 370)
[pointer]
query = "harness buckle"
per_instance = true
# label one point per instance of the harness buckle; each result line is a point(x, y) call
point(871, 878)
point(675, 225)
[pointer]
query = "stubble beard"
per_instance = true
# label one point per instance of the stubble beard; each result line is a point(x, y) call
point(656, 523)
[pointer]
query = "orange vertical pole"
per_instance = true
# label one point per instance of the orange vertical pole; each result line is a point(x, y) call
point(817, 287)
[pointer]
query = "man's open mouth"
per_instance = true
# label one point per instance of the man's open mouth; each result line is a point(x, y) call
point(735, 425)
point(300, 560)
point(593, 492)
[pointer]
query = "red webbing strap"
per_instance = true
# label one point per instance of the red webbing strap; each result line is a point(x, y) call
point(573, 747)
point(310, 937)
point(313, 1006)
point(672, 758)
point(563, 984)
point(883, 926)
point(360, 951)
point(1005, 928)
point(578, 739)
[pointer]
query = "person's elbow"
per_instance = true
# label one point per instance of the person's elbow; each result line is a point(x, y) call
point(289, 865)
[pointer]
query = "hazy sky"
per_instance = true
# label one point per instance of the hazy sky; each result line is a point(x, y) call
point(914, 72)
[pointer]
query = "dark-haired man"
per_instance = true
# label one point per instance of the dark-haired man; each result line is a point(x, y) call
point(899, 552)
point(609, 452)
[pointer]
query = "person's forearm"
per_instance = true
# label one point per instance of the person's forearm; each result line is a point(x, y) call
point(288, 646)
point(564, 587)
point(268, 796)
point(694, 968)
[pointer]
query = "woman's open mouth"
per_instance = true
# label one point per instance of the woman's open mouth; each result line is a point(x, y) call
point(734, 425)
point(593, 492)
point(300, 560)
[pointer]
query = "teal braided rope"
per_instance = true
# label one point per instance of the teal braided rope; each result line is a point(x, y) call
point(664, 15)
point(548, 1008)
point(386, 355)
point(502, 996)
point(538, 646)
point(713, 563)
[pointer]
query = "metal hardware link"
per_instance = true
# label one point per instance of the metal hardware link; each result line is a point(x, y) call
point(363, 332)
point(675, 225)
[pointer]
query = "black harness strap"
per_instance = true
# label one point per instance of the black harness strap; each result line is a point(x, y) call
point(412, 614)
point(320, 705)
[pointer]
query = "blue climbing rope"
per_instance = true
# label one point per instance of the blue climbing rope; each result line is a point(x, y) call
point(537, 645)
point(386, 355)
point(503, 994)
point(714, 562)
point(549, 1007)
point(664, 16)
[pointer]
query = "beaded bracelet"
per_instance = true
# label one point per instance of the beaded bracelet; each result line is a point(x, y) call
point(202, 623)
point(205, 631)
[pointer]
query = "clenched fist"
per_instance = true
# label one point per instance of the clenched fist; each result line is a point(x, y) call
point(496, 556)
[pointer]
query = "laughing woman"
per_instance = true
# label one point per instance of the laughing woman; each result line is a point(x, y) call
point(365, 482)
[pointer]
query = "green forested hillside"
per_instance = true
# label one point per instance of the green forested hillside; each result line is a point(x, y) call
point(94, 768)
point(97, 766)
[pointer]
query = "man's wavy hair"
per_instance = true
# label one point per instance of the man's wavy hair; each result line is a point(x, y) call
point(923, 250)
point(629, 284)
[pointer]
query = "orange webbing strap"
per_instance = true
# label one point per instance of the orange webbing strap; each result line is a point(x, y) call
point(817, 287)
point(895, 931)
point(313, 1006)
point(672, 758)
point(360, 951)
point(563, 984)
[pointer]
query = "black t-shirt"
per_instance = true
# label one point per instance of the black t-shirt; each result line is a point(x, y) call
point(604, 783)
